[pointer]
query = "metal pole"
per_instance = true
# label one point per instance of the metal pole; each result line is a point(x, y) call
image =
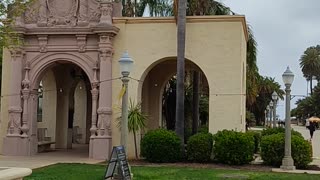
point(270, 117)
point(124, 122)
point(274, 113)
point(265, 118)
point(287, 161)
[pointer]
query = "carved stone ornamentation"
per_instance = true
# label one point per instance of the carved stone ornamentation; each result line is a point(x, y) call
point(43, 41)
point(83, 13)
point(82, 42)
point(105, 46)
point(62, 12)
point(94, 11)
point(14, 121)
point(42, 19)
point(106, 12)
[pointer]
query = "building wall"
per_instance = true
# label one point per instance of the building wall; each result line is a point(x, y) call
point(216, 44)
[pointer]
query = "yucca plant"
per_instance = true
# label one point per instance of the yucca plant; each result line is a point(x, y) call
point(136, 121)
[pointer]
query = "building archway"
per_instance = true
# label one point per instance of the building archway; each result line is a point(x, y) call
point(155, 82)
point(66, 106)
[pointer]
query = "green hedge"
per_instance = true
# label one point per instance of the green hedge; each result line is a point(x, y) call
point(234, 148)
point(272, 150)
point(161, 146)
point(257, 140)
point(199, 147)
point(277, 130)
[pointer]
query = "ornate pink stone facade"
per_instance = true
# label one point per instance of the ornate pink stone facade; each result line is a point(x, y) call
point(59, 31)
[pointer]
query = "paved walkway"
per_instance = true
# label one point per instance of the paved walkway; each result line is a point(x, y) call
point(77, 155)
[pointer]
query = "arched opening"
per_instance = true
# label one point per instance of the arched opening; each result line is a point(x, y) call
point(63, 109)
point(158, 95)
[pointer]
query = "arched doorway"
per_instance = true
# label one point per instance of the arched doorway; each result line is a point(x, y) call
point(158, 94)
point(63, 108)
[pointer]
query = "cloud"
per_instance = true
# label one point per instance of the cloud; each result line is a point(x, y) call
point(283, 30)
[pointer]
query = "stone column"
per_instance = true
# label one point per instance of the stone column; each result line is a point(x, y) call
point(25, 95)
point(105, 96)
point(94, 93)
point(101, 145)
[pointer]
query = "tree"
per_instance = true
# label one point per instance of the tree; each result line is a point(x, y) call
point(181, 39)
point(310, 64)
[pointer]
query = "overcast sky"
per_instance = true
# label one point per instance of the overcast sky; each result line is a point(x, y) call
point(283, 30)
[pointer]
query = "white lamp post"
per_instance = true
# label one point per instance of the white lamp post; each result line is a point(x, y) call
point(287, 161)
point(267, 121)
point(125, 63)
point(271, 110)
point(275, 100)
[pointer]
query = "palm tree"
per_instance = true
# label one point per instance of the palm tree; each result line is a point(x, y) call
point(181, 39)
point(310, 64)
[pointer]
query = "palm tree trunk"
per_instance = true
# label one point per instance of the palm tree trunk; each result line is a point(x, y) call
point(181, 37)
point(195, 117)
point(135, 143)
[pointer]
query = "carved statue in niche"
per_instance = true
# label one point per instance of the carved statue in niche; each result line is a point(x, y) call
point(83, 11)
point(62, 12)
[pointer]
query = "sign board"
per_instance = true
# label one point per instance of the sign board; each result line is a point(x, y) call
point(118, 161)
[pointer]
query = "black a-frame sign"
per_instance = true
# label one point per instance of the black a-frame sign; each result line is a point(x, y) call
point(118, 161)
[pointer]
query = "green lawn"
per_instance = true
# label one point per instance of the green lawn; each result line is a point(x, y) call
point(96, 172)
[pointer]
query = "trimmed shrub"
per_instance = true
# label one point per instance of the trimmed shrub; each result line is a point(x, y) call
point(272, 150)
point(257, 140)
point(199, 147)
point(277, 130)
point(161, 146)
point(203, 129)
point(234, 148)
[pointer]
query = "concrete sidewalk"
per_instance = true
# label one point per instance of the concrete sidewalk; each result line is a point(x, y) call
point(76, 155)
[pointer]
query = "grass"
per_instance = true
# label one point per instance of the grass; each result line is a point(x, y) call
point(96, 172)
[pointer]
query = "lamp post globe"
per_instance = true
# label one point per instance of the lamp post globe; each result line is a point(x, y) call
point(287, 161)
point(125, 63)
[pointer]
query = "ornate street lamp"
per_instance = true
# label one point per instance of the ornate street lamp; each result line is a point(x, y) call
point(287, 161)
point(126, 64)
point(275, 100)
point(271, 110)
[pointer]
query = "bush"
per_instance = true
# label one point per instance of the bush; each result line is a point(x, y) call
point(234, 148)
point(257, 140)
point(161, 146)
point(277, 130)
point(272, 150)
point(199, 147)
point(203, 129)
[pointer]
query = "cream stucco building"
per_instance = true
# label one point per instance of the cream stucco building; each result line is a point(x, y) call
point(71, 49)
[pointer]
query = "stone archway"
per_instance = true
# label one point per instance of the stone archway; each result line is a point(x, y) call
point(153, 83)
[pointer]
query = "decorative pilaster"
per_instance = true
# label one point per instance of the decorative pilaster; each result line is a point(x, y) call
point(94, 93)
point(17, 55)
point(105, 99)
point(25, 95)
